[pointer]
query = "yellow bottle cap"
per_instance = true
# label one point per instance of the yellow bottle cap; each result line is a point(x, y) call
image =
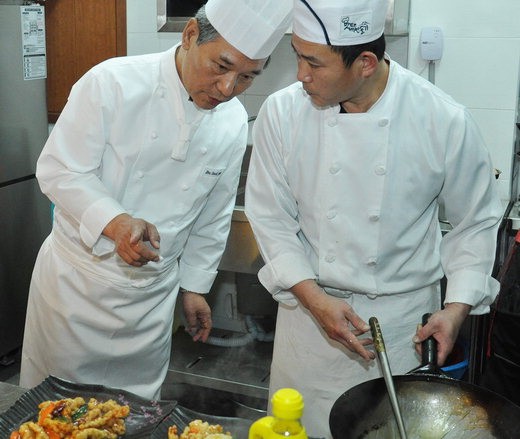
point(287, 404)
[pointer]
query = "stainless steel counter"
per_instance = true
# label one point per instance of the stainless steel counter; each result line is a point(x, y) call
point(242, 369)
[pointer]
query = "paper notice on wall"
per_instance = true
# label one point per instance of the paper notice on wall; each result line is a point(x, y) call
point(33, 42)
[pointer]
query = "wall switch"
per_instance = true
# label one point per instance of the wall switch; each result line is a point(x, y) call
point(431, 43)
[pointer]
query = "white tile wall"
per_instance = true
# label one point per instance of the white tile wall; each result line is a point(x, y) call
point(280, 72)
point(141, 23)
point(470, 76)
point(498, 130)
point(467, 18)
point(141, 16)
point(479, 67)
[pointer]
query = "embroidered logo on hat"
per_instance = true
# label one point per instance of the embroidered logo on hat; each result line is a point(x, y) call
point(339, 22)
point(356, 24)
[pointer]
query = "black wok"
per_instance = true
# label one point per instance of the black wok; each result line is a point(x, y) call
point(433, 406)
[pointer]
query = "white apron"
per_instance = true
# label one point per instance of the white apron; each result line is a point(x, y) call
point(92, 320)
point(304, 357)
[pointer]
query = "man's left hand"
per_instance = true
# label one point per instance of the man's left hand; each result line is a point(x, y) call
point(198, 315)
point(444, 326)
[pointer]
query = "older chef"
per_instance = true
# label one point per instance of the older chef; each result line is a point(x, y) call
point(342, 194)
point(143, 166)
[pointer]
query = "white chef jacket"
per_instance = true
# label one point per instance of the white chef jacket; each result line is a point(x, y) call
point(119, 146)
point(109, 153)
point(351, 200)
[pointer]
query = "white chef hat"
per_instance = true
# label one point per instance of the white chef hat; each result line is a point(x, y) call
point(254, 27)
point(339, 22)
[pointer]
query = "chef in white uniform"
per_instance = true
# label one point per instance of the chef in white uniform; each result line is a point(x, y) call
point(348, 167)
point(143, 166)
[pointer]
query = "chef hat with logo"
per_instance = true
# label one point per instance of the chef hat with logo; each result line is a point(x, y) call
point(339, 22)
point(254, 27)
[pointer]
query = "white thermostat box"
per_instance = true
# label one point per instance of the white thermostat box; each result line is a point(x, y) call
point(431, 43)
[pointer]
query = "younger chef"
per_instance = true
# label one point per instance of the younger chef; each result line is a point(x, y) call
point(348, 167)
point(143, 166)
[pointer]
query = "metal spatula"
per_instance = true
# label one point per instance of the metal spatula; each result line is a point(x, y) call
point(379, 345)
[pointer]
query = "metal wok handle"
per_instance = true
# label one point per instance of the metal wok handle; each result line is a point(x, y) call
point(429, 364)
point(429, 347)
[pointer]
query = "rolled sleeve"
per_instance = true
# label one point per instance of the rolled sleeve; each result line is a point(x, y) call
point(283, 272)
point(473, 288)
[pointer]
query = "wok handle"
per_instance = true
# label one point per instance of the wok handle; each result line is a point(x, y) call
point(429, 356)
point(429, 347)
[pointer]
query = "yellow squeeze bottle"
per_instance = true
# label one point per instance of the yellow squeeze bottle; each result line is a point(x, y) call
point(287, 405)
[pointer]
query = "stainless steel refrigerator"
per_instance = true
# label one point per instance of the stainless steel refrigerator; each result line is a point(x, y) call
point(25, 218)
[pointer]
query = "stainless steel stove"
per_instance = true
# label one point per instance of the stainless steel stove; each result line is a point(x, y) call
point(224, 381)
point(241, 369)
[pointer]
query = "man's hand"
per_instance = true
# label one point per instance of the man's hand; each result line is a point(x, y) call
point(337, 318)
point(444, 326)
point(136, 240)
point(198, 315)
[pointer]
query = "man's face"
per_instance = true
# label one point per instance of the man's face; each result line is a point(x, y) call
point(214, 72)
point(323, 73)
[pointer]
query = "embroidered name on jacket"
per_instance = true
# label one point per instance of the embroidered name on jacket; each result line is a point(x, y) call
point(211, 172)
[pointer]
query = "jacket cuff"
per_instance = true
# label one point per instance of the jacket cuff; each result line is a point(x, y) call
point(195, 279)
point(474, 288)
point(95, 219)
point(285, 271)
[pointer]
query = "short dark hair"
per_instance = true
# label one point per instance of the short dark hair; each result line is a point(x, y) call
point(350, 53)
point(207, 32)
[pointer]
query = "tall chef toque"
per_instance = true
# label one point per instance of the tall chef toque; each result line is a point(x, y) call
point(339, 22)
point(254, 27)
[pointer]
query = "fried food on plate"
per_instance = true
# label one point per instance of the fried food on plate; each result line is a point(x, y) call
point(73, 418)
point(198, 429)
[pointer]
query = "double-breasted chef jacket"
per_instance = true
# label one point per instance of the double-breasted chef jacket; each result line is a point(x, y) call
point(128, 140)
point(351, 200)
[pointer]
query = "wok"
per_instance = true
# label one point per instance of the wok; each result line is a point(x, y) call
point(433, 406)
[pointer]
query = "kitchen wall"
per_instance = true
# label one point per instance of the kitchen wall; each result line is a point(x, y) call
point(479, 67)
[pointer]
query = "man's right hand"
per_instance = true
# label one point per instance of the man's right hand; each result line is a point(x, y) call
point(337, 318)
point(131, 237)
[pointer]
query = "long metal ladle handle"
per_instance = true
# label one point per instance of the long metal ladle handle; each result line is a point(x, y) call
point(379, 344)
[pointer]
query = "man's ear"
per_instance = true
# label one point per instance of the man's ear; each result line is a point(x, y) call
point(369, 63)
point(190, 33)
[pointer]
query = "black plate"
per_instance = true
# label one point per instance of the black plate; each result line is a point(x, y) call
point(181, 417)
point(144, 415)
